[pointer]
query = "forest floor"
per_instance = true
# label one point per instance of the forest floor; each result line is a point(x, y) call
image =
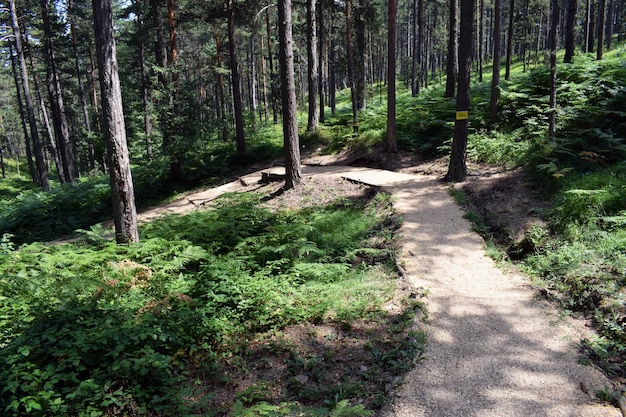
point(495, 346)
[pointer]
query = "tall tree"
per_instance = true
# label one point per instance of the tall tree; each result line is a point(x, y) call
point(81, 87)
point(495, 78)
point(59, 120)
point(457, 168)
point(293, 173)
point(41, 171)
point(600, 34)
point(552, 43)
point(122, 191)
point(453, 49)
point(313, 64)
point(392, 144)
point(236, 79)
point(23, 117)
point(570, 25)
point(355, 105)
point(360, 29)
point(509, 41)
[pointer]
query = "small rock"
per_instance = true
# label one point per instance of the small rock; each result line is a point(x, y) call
point(301, 378)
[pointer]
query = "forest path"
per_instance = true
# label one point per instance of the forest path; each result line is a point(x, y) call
point(494, 347)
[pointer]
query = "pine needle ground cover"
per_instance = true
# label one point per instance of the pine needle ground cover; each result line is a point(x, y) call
point(242, 309)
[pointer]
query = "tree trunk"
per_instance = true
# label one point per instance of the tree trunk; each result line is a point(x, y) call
point(414, 83)
point(41, 172)
point(590, 25)
point(552, 41)
point(23, 117)
point(570, 26)
point(173, 48)
point(81, 90)
point(392, 144)
point(495, 79)
point(273, 85)
point(457, 169)
point(145, 89)
point(235, 79)
point(122, 192)
point(453, 50)
point(293, 174)
point(509, 41)
point(355, 105)
point(609, 24)
point(59, 120)
point(481, 38)
point(313, 65)
point(320, 66)
point(600, 26)
point(332, 80)
point(359, 68)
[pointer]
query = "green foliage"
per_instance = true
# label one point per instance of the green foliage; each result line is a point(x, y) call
point(95, 328)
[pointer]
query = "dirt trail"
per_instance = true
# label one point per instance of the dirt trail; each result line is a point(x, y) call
point(494, 348)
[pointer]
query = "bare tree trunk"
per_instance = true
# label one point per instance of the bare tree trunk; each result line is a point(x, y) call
point(122, 192)
point(41, 171)
point(320, 67)
point(145, 88)
point(552, 40)
point(355, 105)
point(600, 34)
point(453, 50)
point(332, 80)
point(273, 85)
point(359, 66)
point(81, 91)
point(509, 41)
point(495, 79)
point(480, 38)
point(609, 24)
point(236, 81)
point(457, 169)
point(23, 117)
point(313, 65)
point(570, 25)
point(59, 121)
point(293, 174)
point(392, 143)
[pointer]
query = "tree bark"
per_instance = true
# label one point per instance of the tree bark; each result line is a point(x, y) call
point(570, 25)
point(453, 50)
point(81, 90)
point(355, 104)
point(552, 42)
point(293, 174)
point(59, 120)
point(122, 191)
point(23, 117)
point(313, 64)
point(457, 169)
point(392, 144)
point(320, 66)
point(240, 138)
point(41, 172)
point(495, 79)
point(359, 68)
point(273, 85)
point(600, 26)
point(509, 41)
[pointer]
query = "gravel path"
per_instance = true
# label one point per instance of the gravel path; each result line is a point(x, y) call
point(494, 348)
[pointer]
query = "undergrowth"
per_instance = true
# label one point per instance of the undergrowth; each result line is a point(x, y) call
point(173, 325)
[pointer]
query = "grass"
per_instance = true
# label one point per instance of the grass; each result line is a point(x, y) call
point(181, 323)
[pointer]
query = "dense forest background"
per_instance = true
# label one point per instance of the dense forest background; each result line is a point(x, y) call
point(164, 328)
point(200, 76)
